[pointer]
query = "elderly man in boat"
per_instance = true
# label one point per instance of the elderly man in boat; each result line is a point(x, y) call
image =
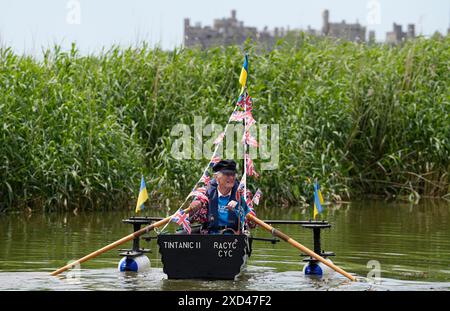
point(220, 214)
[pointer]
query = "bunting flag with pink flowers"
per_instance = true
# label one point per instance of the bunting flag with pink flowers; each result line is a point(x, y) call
point(257, 196)
point(219, 139)
point(237, 116)
point(245, 114)
point(249, 119)
point(249, 139)
point(205, 179)
point(250, 166)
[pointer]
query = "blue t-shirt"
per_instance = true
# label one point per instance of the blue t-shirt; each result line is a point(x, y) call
point(223, 210)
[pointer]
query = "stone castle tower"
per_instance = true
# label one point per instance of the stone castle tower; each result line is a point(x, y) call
point(325, 22)
point(351, 32)
point(397, 35)
point(225, 31)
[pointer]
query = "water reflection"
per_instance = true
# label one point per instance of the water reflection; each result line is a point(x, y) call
point(255, 278)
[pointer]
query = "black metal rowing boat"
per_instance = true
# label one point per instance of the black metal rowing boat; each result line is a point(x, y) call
point(199, 256)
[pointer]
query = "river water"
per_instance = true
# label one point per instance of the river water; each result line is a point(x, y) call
point(410, 244)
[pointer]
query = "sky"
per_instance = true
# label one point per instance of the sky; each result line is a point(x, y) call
point(29, 26)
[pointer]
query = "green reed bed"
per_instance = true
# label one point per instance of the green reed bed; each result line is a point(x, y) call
point(77, 131)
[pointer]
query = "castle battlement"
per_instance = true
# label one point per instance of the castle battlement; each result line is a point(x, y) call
point(227, 31)
point(230, 31)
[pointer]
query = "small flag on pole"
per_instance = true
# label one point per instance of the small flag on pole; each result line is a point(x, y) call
point(257, 196)
point(318, 200)
point(143, 196)
point(244, 73)
point(182, 219)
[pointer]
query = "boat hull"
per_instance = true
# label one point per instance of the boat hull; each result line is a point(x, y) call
point(197, 256)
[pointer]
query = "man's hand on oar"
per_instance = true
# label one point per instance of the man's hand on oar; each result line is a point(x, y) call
point(231, 205)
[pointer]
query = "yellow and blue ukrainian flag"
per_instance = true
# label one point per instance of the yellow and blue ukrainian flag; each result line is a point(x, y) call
point(318, 200)
point(143, 196)
point(244, 73)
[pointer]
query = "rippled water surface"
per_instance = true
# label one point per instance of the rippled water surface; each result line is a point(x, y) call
point(411, 244)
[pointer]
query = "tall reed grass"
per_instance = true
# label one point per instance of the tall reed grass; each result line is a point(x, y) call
point(77, 131)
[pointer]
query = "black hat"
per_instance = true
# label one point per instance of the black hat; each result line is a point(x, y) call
point(225, 166)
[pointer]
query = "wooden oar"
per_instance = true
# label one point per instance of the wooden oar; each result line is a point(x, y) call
point(299, 246)
point(116, 243)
